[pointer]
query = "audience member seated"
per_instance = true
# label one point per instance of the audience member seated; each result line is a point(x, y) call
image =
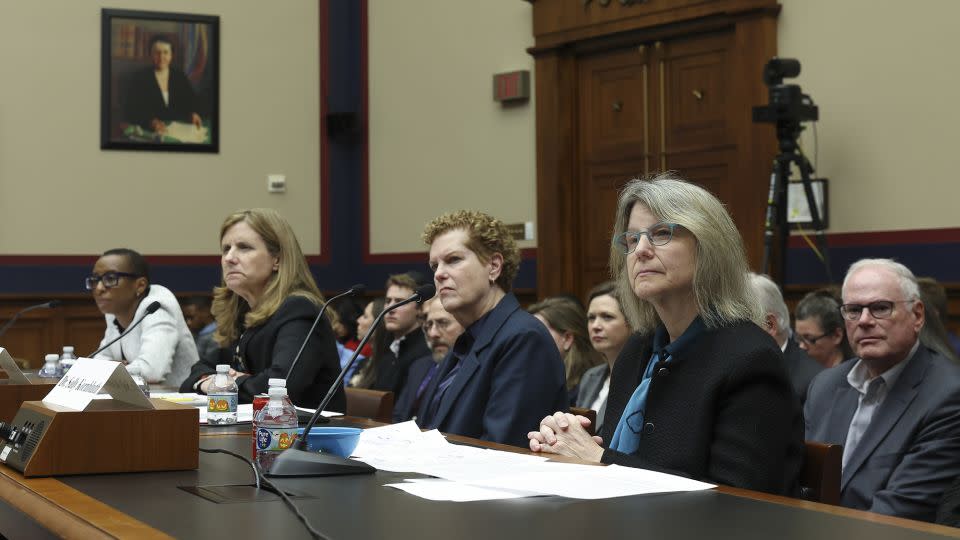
point(567, 324)
point(442, 331)
point(895, 407)
point(196, 311)
point(264, 309)
point(820, 330)
point(364, 374)
point(346, 326)
point(706, 393)
point(609, 332)
point(800, 366)
point(504, 372)
point(406, 342)
point(934, 333)
point(161, 347)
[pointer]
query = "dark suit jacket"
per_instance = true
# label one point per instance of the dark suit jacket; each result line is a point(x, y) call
point(801, 368)
point(392, 370)
point(721, 411)
point(405, 405)
point(269, 349)
point(508, 381)
point(143, 100)
point(910, 452)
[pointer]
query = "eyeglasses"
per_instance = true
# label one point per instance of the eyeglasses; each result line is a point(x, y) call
point(659, 234)
point(442, 325)
point(810, 340)
point(881, 309)
point(109, 280)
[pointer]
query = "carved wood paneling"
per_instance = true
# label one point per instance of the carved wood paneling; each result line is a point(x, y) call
point(638, 89)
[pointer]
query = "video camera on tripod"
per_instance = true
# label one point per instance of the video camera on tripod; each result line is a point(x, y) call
point(787, 102)
point(788, 107)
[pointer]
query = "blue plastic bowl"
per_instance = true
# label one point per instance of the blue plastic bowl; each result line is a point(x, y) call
point(335, 440)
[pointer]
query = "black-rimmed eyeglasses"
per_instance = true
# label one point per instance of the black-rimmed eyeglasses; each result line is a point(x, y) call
point(658, 234)
point(810, 341)
point(881, 309)
point(109, 279)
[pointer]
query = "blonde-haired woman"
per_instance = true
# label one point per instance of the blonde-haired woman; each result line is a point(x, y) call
point(706, 393)
point(264, 308)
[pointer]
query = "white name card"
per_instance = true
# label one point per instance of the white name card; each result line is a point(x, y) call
point(13, 370)
point(88, 377)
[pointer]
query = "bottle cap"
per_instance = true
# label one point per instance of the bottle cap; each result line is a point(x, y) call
point(223, 368)
point(282, 383)
point(277, 391)
point(68, 348)
point(51, 358)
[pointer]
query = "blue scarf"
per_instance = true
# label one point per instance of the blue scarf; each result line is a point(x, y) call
point(626, 438)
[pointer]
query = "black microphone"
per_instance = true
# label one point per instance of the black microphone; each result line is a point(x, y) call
point(50, 304)
point(150, 309)
point(359, 287)
point(297, 460)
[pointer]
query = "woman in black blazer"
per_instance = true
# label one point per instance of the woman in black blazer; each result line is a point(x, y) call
point(705, 393)
point(264, 309)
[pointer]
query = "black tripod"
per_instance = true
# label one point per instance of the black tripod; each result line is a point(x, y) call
point(787, 133)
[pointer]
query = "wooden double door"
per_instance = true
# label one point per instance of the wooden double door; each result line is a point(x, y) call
point(677, 101)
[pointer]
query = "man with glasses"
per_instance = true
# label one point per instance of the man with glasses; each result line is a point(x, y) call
point(800, 367)
point(895, 406)
point(441, 331)
point(161, 347)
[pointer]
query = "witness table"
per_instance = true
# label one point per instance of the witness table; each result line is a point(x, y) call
point(153, 505)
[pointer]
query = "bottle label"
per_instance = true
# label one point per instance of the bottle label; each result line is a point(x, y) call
point(275, 439)
point(222, 403)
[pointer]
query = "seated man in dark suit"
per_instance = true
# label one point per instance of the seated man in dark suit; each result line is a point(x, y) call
point(442, 331)
point(406, 342)
point(800, 367)
point(895, 407)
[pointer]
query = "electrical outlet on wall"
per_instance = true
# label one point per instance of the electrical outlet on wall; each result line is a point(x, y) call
point(276, 183)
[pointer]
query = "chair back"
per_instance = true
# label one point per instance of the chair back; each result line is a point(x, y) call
point(589, 413)
point(372, 404)
point(820, 475)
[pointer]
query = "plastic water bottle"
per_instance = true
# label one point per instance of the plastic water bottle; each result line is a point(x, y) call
point(276, 427)
point(259, 402)
point(222, 394)
point(135, 374)
point(50, 366)
point(67, 359)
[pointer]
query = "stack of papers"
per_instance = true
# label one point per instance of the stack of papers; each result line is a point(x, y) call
point(465, 473)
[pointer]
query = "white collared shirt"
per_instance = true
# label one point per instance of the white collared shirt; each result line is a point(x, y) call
point(873, 391)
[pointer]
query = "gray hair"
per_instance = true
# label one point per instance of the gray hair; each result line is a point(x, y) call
point(720, 285)
point(908, 282)
point(771, 300)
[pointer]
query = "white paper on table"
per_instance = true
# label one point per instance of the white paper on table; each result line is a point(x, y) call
point(88, 377)
point(444, 490)
point(386, 440)
point(14, 375)
point(187, 133)
point(589, 482)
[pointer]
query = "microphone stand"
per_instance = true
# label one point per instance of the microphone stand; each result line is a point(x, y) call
point(297, 461)
point(353, 290)
point(50, 304)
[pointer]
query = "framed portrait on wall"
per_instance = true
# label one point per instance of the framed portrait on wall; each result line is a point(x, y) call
point(159, 87)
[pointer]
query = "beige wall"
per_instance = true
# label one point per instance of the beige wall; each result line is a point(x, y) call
point(61, 194)
point(881, 72)
point(884, 75)
point(438, 141)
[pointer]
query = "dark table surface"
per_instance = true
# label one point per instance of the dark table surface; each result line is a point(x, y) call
point(360, 507)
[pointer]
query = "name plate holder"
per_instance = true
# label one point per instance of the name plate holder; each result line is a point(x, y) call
point(18, 387)
point(73, 431)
